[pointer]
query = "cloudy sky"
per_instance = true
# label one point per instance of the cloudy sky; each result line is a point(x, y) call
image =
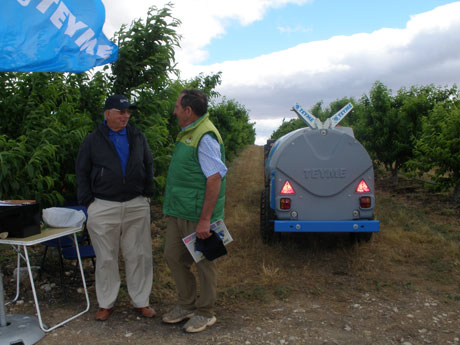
point(275, 53)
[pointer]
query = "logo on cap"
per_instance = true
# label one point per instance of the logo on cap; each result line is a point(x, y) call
point(119, 102)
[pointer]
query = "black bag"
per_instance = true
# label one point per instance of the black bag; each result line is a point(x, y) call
point(212, 247)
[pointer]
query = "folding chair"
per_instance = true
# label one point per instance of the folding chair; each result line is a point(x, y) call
point(66, 248)
point(86, 252)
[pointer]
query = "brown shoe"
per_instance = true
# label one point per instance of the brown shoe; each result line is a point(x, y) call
point(103, 314)
point(146, 311)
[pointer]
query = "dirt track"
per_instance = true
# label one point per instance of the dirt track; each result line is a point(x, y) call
point(359, 319)
point(304, 291)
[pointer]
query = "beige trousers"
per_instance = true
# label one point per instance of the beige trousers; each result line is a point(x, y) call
point(180, 261)
point(126, 225)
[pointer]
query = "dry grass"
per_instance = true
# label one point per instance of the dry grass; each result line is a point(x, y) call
point(418, 248)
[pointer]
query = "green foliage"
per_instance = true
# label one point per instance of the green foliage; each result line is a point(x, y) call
point(152, 118)
point(287, 127)
point(232, 121)
point(417, 130)
point(44, 117)
point(93, 92)
point(230, 117)
point(388, 125)
point(380, 128)
point(318, 111)
point(206, 83)
point(438, 148)
point(146, 52)
point(43, 131)
point(351, 119)
point(142, 72)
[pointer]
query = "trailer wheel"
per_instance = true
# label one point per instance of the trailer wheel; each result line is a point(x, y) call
point(362, 237)
point(267, 228)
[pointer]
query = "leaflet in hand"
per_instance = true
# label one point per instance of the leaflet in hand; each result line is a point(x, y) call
point(219, 228)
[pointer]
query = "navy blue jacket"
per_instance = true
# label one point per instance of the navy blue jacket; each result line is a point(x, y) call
point(99, 172)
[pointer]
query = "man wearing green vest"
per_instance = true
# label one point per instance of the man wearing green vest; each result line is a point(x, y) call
point(194, 198)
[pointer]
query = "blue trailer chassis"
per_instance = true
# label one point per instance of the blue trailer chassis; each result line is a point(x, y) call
point(357, 226)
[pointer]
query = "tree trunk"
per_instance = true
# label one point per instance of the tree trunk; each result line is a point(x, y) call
point(456, 193)
point(394, 175)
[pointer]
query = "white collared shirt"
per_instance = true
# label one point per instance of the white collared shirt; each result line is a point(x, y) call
point(209, 156)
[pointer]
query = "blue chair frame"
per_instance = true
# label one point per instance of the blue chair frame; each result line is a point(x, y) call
point(67, 250)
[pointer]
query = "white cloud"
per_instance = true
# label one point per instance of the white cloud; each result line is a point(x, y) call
point(290, 29)
point(265, 128)
point(202, 20)
point(426, 51)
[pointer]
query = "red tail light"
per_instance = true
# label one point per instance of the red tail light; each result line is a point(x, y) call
point(365, 202)
point(285, 203)
point(287, 188)
point(362, 187)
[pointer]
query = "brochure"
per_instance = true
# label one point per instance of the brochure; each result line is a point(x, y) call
point(219, 228)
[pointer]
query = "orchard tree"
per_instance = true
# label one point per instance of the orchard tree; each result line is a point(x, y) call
point(382, 129)
point(438, 148)
point(143, 71)
point(294, 124)
point(146, 56)
point(207, 84)
point(232, 121)
point(318, 111)
point(94, 89)
point(42, 127)
point(287, 127)
point(44, 117)
point(351, 119)
point(388, 126)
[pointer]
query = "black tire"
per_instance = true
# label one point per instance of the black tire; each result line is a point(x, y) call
point(362, 237)
point(268, 147)
point(267, 217)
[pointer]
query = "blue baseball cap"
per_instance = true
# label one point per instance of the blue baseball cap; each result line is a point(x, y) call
point(119, 102)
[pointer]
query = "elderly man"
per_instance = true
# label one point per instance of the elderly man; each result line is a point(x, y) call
point(194, 198)
point(115, 180)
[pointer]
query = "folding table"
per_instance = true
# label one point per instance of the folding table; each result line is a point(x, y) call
point(45, 235)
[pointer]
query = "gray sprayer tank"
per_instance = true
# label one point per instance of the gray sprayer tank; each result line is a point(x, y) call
point(318, 179)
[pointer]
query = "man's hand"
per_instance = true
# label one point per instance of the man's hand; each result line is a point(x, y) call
point(203, 229)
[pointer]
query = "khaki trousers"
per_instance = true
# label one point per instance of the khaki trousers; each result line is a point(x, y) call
point(112, 225)
point(180, 261)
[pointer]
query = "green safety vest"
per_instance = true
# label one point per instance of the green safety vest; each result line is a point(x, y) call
point(186, 183)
